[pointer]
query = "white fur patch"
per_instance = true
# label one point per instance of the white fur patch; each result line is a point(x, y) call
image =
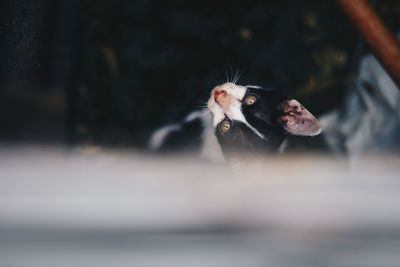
point(211, 149)
point(158, 137)
point(254, 86)
point(233, 111)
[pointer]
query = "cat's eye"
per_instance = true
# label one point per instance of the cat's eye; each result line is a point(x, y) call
point(225, 125)
point(250, 100)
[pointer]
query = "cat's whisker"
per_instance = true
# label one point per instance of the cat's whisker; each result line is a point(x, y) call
point(205, 112)
point(202, 104)
point(227, 75)
point(236, 77)
point(200, 114)
point(231, 75)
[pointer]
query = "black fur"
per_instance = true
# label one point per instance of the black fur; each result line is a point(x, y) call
point(264, 115)
point(241, 139)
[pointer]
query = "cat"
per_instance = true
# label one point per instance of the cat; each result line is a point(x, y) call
point(238, 120)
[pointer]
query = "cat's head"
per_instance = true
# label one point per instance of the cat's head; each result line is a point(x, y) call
point(251, 119)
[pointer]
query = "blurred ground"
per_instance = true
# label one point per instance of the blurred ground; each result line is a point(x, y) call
point(116, 208)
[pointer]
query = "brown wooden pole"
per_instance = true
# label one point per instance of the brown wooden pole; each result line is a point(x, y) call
point(381, 41)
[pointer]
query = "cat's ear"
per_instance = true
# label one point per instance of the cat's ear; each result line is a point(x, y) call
point(296, 120)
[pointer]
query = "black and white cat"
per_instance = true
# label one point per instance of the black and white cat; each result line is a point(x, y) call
point(238, 120)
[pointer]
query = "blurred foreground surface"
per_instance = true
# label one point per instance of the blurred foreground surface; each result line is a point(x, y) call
point(94, 208)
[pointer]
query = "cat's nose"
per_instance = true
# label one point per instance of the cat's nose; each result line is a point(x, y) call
point(218, 95)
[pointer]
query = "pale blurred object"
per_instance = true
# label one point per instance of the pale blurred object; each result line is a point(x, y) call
point(118, 208)
point(370, 118)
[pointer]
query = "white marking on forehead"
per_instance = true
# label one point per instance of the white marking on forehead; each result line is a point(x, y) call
point(233, 111)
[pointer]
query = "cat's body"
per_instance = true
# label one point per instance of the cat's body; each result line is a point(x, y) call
point(194, 135)
point(239, 120)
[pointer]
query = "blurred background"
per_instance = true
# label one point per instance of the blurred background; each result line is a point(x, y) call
point(110, 72)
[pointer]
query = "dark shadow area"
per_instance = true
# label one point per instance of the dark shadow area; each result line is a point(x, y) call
point(110, 72)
